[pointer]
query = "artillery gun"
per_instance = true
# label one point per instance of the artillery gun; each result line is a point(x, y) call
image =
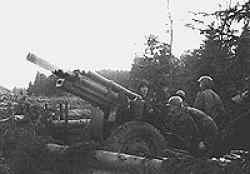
point(128, 131)
point(122, 126)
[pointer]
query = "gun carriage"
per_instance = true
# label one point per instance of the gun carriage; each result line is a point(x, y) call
point(120, 124)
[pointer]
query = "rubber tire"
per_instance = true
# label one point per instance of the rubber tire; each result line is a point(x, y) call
point(135, 129)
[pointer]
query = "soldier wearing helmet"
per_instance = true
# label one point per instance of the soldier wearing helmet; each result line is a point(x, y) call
point(198, 130)
point(180, 123)
point(206, 82)
point(209, 101)
point(208, 130)
point(182, 94)
point(175, 101)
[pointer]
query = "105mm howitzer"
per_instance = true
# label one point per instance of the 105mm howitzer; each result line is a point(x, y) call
point(124, 125)
point(89, 85)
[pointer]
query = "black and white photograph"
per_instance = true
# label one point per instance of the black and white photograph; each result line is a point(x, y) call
point(125, 87)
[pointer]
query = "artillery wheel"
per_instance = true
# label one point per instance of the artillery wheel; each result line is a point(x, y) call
point(136, 138)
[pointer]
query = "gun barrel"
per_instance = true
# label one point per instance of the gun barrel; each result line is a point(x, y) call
point(89, 86)
point(83, 93)
point(111, 84)
point(41, 62)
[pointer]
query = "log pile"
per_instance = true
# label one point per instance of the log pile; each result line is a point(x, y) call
point(24, 151)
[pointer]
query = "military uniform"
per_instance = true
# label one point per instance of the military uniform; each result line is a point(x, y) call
point(209, 102)
point(182, 125)
point(206, 125)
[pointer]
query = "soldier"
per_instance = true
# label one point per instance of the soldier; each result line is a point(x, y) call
point(209, 101)
point(208, 130)
point(143, 89)
point(180, 123)
point(198, 130)
point(166, 94)
point(182, 94)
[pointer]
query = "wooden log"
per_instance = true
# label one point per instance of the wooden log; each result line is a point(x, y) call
point(71, 123)
point(111, 162)
point(116, 162)
point(105, 162)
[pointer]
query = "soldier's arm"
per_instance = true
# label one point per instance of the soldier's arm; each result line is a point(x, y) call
point(199, 101)
point(194, 130)
point(212, 134)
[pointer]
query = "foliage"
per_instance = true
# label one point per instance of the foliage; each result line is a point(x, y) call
point(222, 25)
point(118, 76)
point(25, 151)
point(44, 86)
point(157, 66)
point(220, 54)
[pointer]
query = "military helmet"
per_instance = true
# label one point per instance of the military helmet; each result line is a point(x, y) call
point(175, 100)
point(206, 81)
point(181, 93)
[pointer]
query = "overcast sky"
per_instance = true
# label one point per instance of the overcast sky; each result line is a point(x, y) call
point(93, 34)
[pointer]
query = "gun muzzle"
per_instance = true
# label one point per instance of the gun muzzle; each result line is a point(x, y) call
point(41, 62)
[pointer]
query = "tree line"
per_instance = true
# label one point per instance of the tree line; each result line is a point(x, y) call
point(224, 54)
